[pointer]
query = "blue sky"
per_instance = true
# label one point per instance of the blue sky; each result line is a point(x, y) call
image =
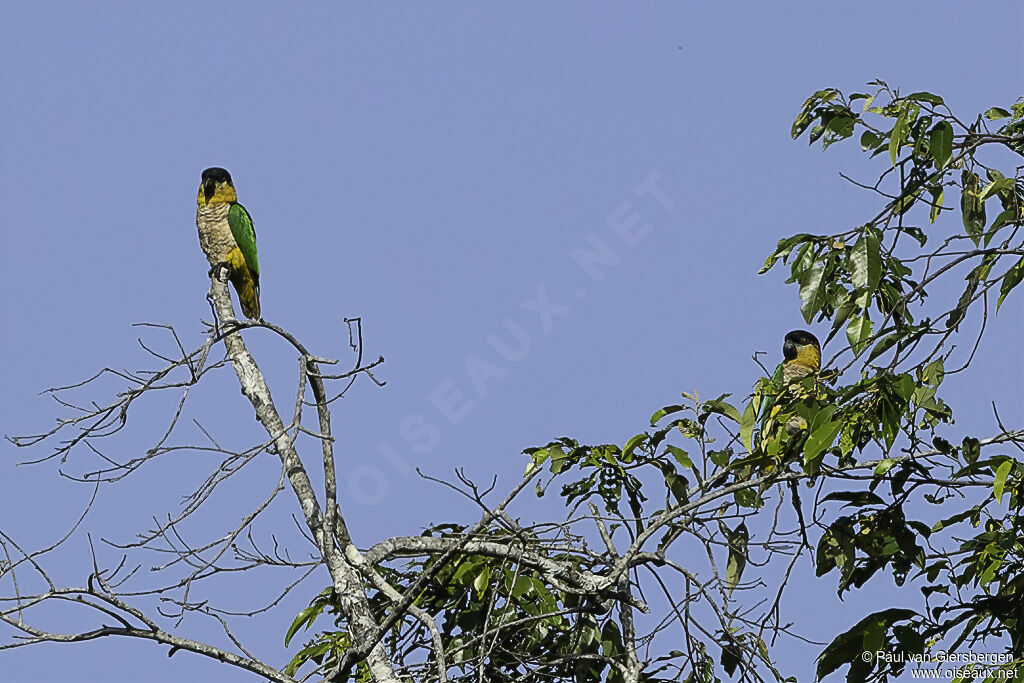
point(433, 169)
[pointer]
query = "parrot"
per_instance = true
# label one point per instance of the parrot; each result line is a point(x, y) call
point(228, 238)
point(801, 357)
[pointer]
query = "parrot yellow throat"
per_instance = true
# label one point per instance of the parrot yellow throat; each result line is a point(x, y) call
point(809, 356)
point(223, 193)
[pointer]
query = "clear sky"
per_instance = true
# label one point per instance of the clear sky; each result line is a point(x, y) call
point(432, 168)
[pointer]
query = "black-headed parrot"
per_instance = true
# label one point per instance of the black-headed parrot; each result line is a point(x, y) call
point(228, 237)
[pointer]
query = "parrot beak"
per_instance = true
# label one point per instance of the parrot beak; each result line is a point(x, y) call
point(209, 187)
point(788, 350)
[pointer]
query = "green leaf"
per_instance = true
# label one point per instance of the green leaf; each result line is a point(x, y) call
point(747, 427)
point(996, 113)
point(306, 617)
point(823, 432)
point(810, 292)
point(847, 647)
point(807, 113)
point(748, 498)
point(971, 513)
point(782, 250)
point(869, 140)
point(934, 373)
point(899, 134)
point(1000, 480)
point(884, 467)
point(482, 580)
point(467, 567)
point(839, 128)
point(631, 446)
point(973, 278)
point(874, 636)
point(667, 410)
point(917, 233)
point(999, 185)
point(737, 555)
point(315, 652)
point(866, 262)
point(681, 456)
point(537, 457)
point(926, 97)
point(717, 405)
point(971, 449)
point(522, 586)
point(938, 194)
point(720, 458)
point(971, 205)
point(855, 498)
point(940, 143)
point(1012, 278)
point(1002, 220)
point(884, 345)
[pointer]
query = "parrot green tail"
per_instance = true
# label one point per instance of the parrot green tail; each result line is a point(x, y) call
point(246, 284)
point(248, 296)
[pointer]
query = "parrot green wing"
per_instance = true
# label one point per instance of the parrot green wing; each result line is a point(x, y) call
point(245, 236)
point(770, 393)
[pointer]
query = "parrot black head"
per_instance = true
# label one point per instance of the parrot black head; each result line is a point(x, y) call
point(800, 340)
point(213, 178)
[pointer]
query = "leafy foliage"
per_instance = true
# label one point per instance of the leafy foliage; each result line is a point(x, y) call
point(698, 492)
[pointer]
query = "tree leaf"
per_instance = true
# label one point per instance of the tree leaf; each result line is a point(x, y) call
point(681, 456)
point(884, 467)
point(737, 555)
point(899, 134)
point(1002, 220)
point(884, 345)
point(631, 446)
point(667, 410)
point(747, 426)
point(717, 405)
point(938, 194)
point(782, 250)
point(866, 262)
point(1000, 481)
point(810, 292)
point(926, 97)
point(996, 186)
point(1012, 278)
point(305, 618)
point(482, 580)
point(940, 143)
point(839, 128)
point(823, 432)
point(855, 498)
point(934, 373)
point(858, 332)
point(995, 113)
point(971, 206)
point(869, 140)
point(847, 647)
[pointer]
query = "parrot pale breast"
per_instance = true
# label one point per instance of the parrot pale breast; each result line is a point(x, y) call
point(795, 370)
point(214, 232)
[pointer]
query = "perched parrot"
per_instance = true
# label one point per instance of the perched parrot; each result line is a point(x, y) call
point(228, 238)
point(801, 357)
